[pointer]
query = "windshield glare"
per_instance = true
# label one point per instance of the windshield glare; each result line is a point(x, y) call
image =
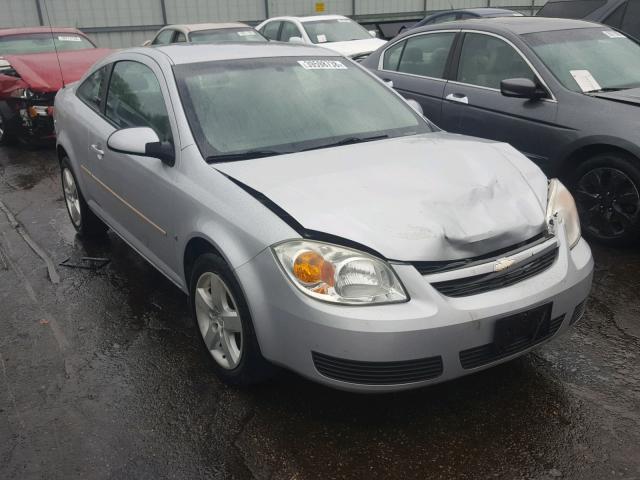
point(287, 105)
point(608, 57)
point(226, 35)
point(42, 42)
point(339, 30)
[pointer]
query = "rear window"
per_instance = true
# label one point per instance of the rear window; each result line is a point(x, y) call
point(571, 8)
point(42, 43)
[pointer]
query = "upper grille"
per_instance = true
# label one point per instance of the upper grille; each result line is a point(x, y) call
point(486, 282)
point(378, 373)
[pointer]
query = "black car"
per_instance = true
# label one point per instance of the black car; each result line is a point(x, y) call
point(465, 14)
point(566, 93)
point(621, 14)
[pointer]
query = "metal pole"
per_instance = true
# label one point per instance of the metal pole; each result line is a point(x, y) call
point(163, 7)
point(39, 10)
point(353, 8)
point(266, 8)
point(425, 7)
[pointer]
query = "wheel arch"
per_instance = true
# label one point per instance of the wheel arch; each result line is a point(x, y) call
point(196, 246)
point(585, 150)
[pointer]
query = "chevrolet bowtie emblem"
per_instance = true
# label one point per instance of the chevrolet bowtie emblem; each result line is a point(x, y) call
point(503, 264)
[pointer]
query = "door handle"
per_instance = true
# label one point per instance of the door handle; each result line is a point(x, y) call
point(458, 97)
point(96, 148)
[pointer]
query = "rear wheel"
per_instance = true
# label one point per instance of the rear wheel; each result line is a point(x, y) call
point(6, 137)
point(222, 317)
point(607, 193)
point(83, 219)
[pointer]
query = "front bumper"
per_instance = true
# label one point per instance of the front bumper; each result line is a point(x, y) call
point(292, 328)
point(31, 118)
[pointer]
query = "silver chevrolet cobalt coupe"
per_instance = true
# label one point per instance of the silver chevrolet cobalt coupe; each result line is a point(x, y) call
point(316, 220)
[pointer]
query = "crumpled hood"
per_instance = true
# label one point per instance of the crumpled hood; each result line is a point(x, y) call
point(354, 47)
point(40, 72)
point(435, 196)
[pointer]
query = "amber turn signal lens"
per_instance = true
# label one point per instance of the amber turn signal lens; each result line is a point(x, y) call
point(310, 267)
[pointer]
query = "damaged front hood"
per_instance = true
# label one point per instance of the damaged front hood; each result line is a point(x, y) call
point(435, 196)
point(41, 72)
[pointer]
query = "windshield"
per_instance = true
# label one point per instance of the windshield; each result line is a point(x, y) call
point(42, 42)
point(284, 105)
point(241, 34)
point(338, 30)
point(589, 59)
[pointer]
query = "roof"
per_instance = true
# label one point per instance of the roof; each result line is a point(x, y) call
point(515, 25)
point(185, 53)
point(489, 11)
point(197, 27)
point(27, 30)
point(311, 18)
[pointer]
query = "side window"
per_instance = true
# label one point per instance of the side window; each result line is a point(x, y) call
point(449, 17)
point(134, 99)
point(487, 60)
point(631, 22)
point(615, 18)
point(392, 57)
point(180, 38)
point(164, 37)
point(270, 30)
point(289, 30)
point(426, 55)
point(92, 89)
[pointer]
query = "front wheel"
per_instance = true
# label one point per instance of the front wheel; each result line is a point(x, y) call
point(83, 219)
point(222, 317)
point(6, 137)
point(607, 193)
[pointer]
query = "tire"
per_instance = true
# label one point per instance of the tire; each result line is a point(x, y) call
point(6, 138)
point(86, 223)
point(223, 320)
point(607, 193)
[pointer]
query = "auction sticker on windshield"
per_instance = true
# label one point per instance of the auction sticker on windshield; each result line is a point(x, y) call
point(585, 80)
point(246, 33)
point(613, 34)
point(322, 65)
point(69, 39)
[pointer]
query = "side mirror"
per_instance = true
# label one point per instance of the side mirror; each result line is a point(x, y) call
point(415, 105)
point(296, 40)
point(142, 141)
point(373, 33)
point(521, 88)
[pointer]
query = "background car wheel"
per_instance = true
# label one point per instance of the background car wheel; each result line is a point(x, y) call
point(222, 317)
point(6, 138)
point(607, 193)
point(83, 219)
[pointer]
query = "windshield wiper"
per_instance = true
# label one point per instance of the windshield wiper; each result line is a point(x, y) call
point(231, 157)
point(347, 141)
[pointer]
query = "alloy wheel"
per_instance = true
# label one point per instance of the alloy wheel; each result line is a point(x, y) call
point(219, 320)
point(71, 196)
point(608, 201)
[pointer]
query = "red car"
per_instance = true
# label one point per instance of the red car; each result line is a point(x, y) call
point(31, 73)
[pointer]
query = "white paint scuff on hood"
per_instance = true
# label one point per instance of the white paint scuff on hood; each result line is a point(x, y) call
point(432, 197)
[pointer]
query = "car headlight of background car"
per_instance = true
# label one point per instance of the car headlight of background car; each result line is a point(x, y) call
point(339, 275)
point(561, 205)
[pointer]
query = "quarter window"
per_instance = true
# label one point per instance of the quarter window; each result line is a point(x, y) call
point(135, 99)
point(426, 55)
point(392, 57)
point(486, 61)
point(270, 30)
point(180, 38)
point(92, 89)
point(164, 37)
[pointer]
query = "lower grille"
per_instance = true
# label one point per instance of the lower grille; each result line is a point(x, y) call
point(478, 356)
point(378, 373)
point(476, 284)
point(578, 312)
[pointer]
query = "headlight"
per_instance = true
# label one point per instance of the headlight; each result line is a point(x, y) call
point(562, 207)
point(23, 93)
point(338, 274)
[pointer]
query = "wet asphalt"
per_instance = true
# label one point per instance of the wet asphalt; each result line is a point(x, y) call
point(102, 376)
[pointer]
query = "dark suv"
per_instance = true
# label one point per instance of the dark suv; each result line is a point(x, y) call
point(621, 14)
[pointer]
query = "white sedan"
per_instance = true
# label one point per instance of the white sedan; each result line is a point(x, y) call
point(340, 34)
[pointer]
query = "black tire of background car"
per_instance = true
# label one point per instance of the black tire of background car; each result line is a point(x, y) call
point(6, 137)
point(600, 174)
point(253, 367)
point(90, 225)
